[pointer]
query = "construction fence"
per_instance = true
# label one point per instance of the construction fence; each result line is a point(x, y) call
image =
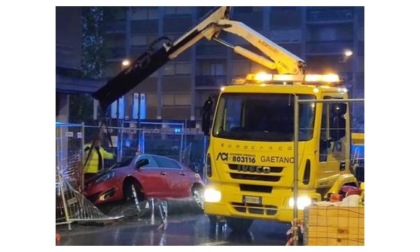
point(186, 145)
point(172, 140)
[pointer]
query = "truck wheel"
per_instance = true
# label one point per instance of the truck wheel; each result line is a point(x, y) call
point(238, 224)
point(215, 227)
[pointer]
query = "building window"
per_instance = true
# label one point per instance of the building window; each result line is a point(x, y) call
point(213, 69)
point(151, 100)
point(217, 69)
point(182, 99)
point(114, 41)
point(168, 99)
point(241, 68)
point(178, 10)
point(243, 10)
point(142, 39)
point(144, 13)
point(177, 99)
point(182, 68)
point(330, 14)
point(169, 69)
point(286, 35)
point(177, 68)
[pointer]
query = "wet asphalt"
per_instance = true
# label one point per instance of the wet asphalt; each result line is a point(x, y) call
point(186, 226)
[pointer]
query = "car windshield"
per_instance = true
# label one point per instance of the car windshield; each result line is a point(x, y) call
point(263, 117)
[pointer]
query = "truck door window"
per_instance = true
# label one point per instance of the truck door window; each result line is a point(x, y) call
point(337, 121)
point(333, 125)
point(324, 139)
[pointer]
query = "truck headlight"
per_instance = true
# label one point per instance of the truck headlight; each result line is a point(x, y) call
point(212, 195)
point(302, 202)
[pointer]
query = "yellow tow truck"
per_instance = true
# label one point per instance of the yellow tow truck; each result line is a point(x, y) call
point(275, 137)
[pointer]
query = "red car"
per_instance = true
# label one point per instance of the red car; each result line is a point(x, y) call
point(143, 177)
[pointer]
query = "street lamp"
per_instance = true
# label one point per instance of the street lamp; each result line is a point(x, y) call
point(125, 63)
point(348, 53)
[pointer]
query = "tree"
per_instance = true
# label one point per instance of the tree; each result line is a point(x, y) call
point(94, 23)
point(93, 61)
point(93, 55)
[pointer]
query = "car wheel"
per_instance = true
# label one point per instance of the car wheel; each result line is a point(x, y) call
point(238, 224)
point(197, 194)
point(132, 194)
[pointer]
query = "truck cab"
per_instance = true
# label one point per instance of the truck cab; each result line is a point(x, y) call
point(250, 159)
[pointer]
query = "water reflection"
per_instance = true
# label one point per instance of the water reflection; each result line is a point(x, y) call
point(241, 237)
point(150, 230)
point(232, 237)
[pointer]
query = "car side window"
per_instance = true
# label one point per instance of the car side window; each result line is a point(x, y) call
point(152, 161)
point(164, 162)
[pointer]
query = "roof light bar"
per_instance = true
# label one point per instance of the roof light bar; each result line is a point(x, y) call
point(322, 78)
point(264, 77)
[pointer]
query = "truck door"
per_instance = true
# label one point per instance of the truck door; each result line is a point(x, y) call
point(333, 139)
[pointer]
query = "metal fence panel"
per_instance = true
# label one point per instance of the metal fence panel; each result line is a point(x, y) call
point(69, 142)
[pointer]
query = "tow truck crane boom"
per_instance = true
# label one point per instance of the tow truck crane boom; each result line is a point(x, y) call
point(210, 27)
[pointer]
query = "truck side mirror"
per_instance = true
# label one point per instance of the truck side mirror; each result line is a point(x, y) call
point(206, 122)
point(205, 125)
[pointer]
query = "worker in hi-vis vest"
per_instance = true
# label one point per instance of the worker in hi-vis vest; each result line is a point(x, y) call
point(94, 159)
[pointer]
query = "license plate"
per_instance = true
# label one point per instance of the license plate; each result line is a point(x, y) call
point(251, 199)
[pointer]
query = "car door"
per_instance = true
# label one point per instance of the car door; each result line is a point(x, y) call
point(177, 179)
point(152, 178)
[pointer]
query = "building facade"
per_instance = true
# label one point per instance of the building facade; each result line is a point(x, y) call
point(319, 35)
point(177, 91)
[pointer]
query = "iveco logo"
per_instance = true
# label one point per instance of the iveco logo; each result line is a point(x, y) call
point(257, 169)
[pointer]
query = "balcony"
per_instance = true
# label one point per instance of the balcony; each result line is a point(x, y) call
point(329, 15)
point(115, 53)
point(116, 27)
point(328, 47)
point(290, 19)
point(144, 26)
point(176, 25)
point(210, 81)
point(209, 51)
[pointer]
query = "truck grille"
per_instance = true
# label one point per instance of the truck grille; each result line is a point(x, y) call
point(255, 188)
point(255, 208)
point(255, 177)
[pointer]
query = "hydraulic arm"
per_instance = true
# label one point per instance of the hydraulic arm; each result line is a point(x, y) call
point(210, 27)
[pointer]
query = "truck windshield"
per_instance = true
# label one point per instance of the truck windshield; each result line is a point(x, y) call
point(262, 117)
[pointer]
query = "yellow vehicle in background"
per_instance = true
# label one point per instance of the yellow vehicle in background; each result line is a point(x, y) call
point(358, 155)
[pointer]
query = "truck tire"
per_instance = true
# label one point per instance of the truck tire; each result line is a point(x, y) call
point(215, 226)
point(238, 224)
